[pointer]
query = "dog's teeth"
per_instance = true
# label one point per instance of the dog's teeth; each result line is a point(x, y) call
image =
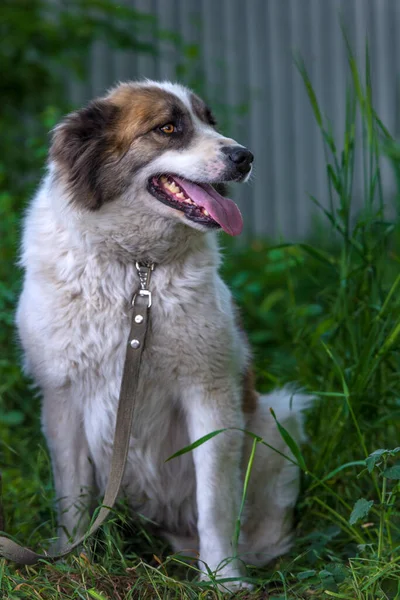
point(163, 179)
point(188, 200)
point(172, 187)
point(206, 213)
point(181, 196)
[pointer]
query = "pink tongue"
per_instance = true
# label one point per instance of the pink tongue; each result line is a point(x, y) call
point(222, 210)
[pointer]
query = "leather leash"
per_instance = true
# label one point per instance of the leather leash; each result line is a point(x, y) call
point(141, 304)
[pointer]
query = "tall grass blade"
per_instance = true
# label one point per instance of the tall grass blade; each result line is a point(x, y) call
point(292, 444)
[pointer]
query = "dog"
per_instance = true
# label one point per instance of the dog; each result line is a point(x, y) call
point(131, 177)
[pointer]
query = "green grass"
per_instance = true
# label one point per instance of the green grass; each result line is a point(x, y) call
point(324, 314)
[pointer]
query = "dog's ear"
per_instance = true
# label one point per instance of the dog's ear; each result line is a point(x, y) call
point(80, 145)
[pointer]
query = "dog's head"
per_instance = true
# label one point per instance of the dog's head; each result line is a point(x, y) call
point(156, 143)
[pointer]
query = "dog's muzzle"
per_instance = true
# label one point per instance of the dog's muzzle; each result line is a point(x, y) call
point(239, 161)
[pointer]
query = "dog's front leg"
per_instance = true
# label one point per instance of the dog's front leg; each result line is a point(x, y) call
point(72, 469)
point(218, 483)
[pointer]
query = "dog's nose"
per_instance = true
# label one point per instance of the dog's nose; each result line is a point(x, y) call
point(240, 156)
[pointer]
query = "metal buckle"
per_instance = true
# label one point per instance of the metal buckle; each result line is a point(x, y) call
point(142, 293)
point(144, 271)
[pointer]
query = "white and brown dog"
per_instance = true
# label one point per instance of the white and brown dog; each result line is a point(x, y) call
point(130, 178)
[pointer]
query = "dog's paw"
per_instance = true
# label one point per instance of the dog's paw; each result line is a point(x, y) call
point(233, 584)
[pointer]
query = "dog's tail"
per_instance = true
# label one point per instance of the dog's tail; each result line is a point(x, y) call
point(289, 405)
point(275, 481)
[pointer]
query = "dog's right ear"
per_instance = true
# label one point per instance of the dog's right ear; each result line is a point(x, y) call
point(80, 146)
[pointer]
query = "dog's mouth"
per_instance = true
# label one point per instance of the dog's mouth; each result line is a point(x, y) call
point(200, 202)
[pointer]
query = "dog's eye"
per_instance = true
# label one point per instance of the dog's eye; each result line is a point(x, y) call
point(168, 128)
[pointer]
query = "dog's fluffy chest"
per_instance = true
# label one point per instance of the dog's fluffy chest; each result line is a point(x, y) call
point(191, 328)
point(191, 335)
point(191, 340)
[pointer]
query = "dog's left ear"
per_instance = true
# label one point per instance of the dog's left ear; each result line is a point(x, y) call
point(79, 148)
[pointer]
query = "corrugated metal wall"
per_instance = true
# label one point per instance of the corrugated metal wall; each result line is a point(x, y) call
point(246, 56)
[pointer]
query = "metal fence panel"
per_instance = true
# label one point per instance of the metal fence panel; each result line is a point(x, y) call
point(246, 56)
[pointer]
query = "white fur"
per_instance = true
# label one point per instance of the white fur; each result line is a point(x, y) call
point(73, 320)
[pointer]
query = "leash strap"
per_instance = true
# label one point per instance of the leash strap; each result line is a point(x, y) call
point(140, 316)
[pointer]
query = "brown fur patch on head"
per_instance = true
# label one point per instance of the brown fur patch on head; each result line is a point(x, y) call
point(144, 108)
point(100, 147)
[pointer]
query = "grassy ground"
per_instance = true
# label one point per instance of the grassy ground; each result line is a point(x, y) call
point(324, 314)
